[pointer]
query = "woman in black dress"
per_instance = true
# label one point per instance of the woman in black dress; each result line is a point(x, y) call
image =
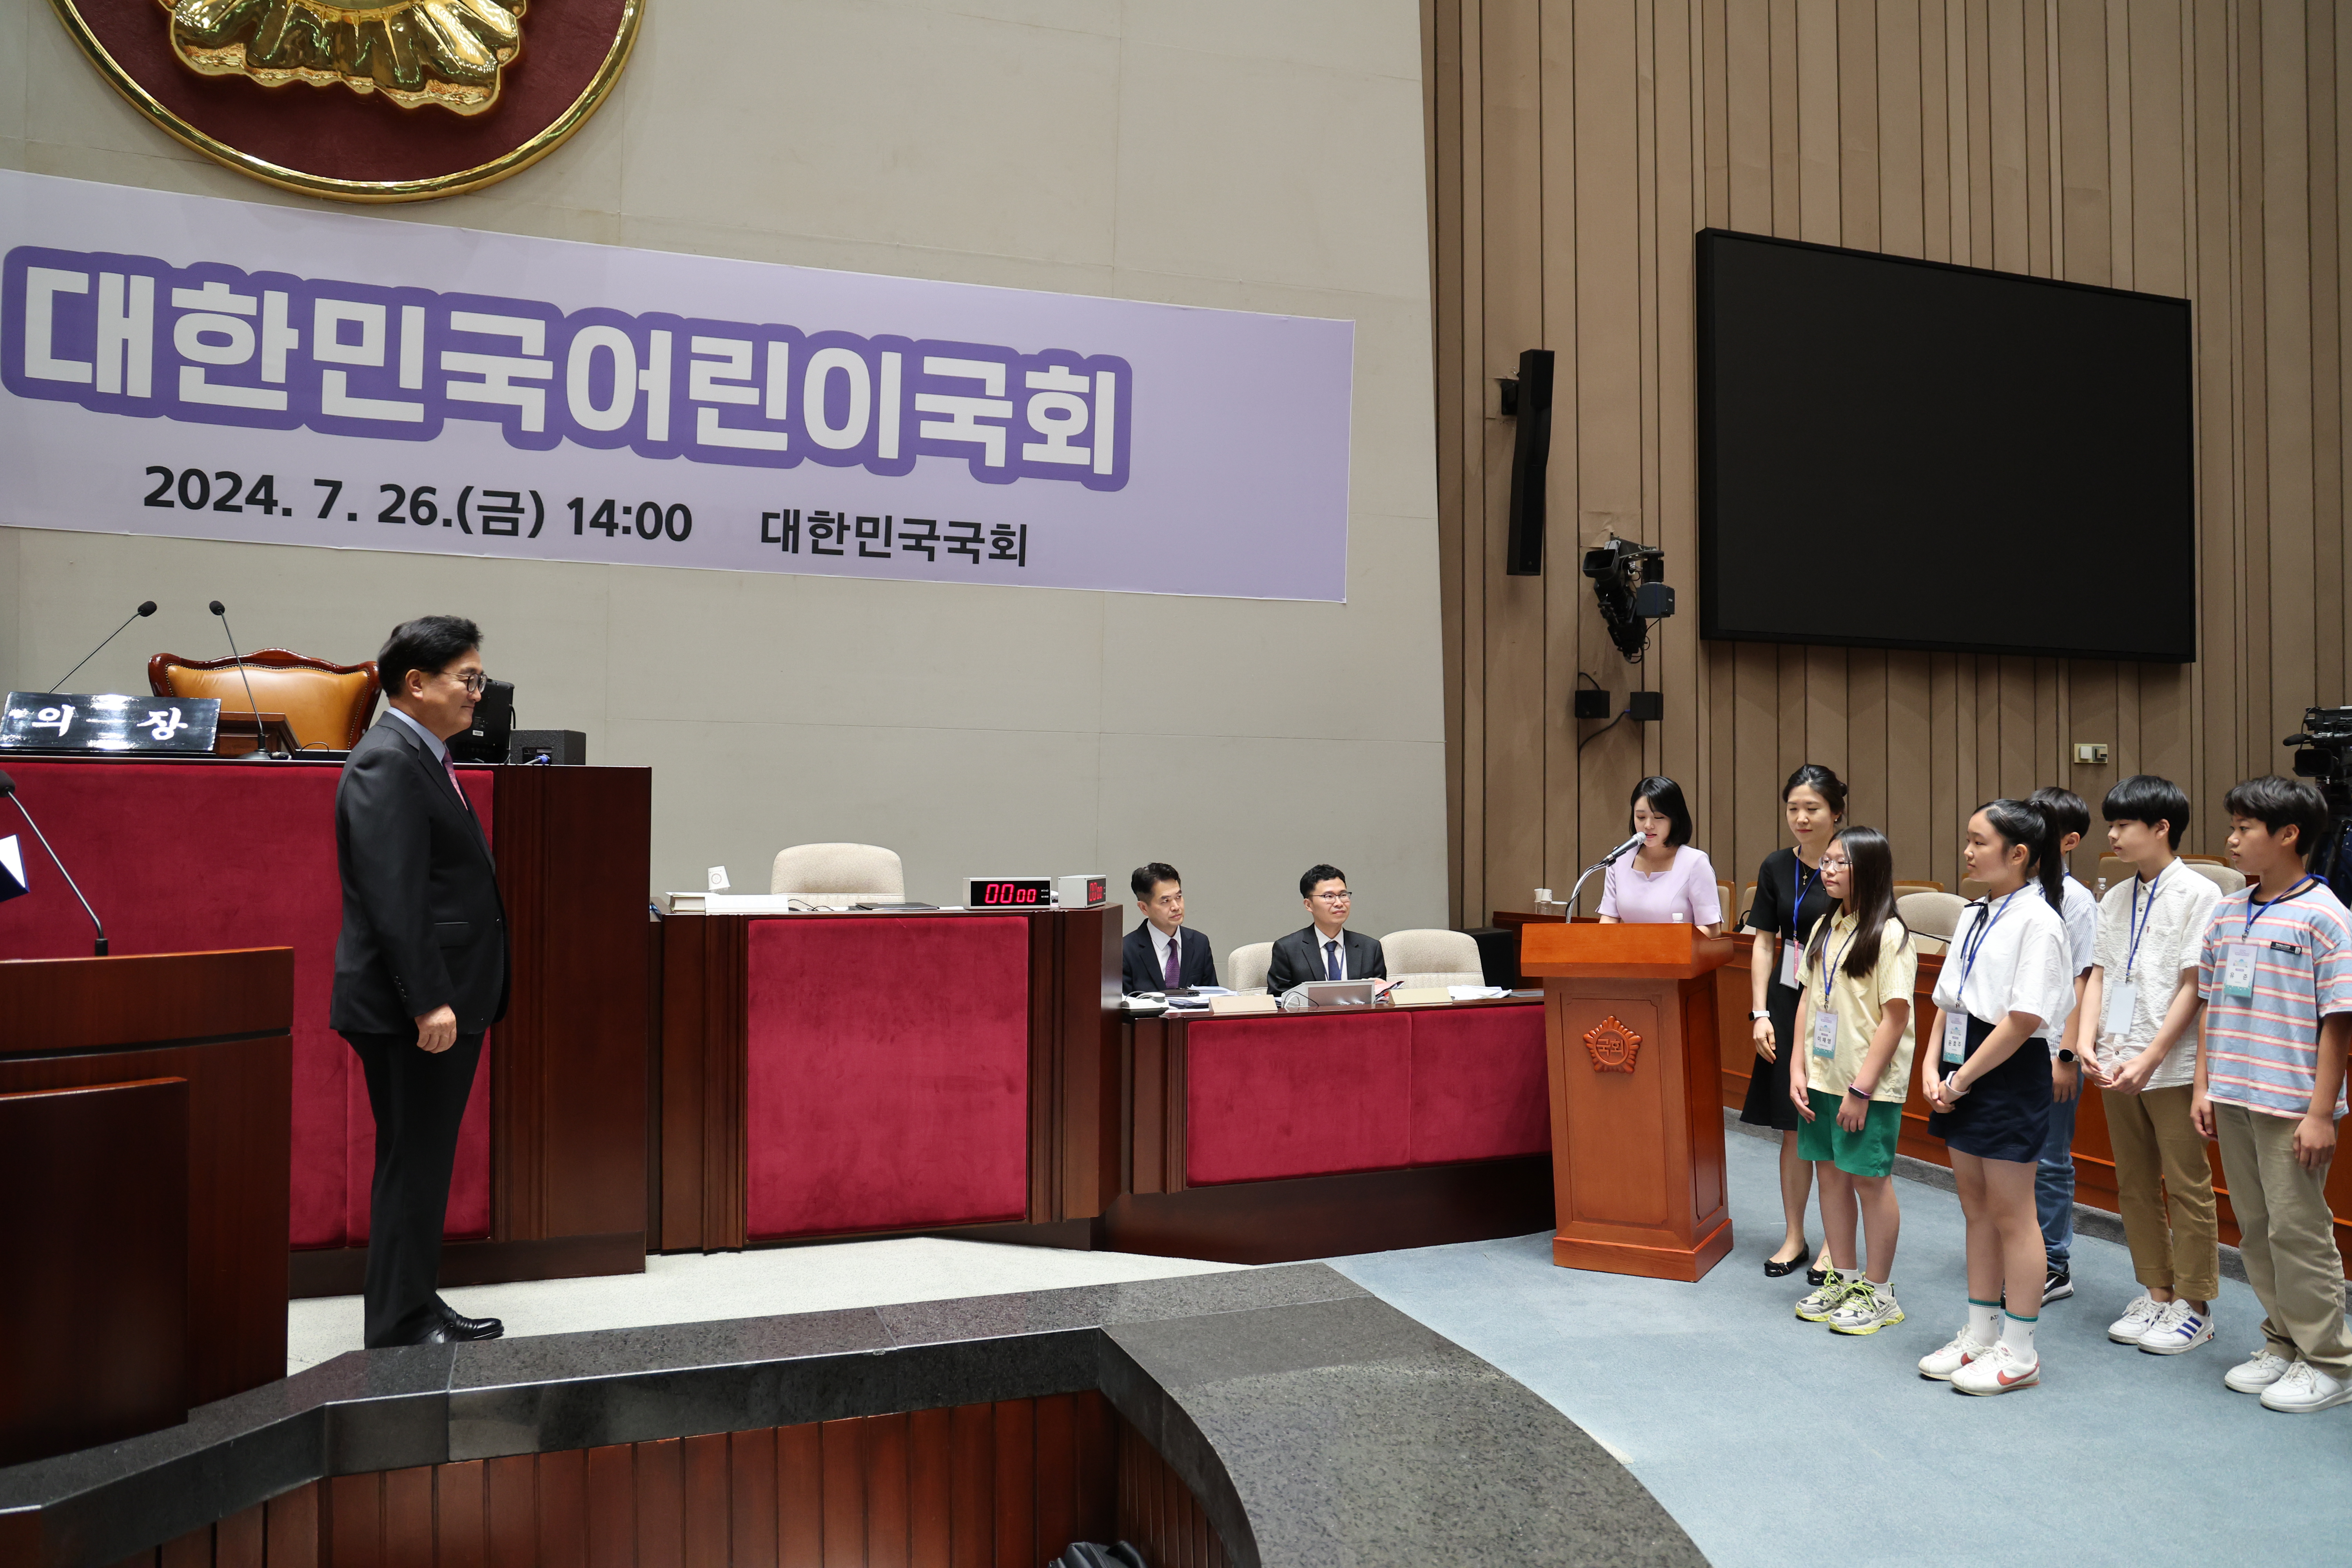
point(1789, 898)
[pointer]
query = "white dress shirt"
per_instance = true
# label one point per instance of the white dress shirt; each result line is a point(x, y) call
point(2014, 954)
point(433, 742)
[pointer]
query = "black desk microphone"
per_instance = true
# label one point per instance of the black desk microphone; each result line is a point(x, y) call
point(146, 609)
point(260, 740)
point(8, 788)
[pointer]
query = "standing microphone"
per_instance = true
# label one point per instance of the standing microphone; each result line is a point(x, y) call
point(8, 788)
point(146, 609)
point(1609, 859)
point(260, 740)
point(1619, 852)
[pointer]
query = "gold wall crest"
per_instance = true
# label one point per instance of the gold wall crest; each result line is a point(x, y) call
point(1612, 1045)
point(448, 53)
point(221, 76)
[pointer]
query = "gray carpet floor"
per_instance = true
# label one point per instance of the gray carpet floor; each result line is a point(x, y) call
point(1774, 1441)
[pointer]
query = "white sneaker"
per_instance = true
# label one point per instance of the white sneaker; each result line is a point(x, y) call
point(1941, 1364)
point(1834, 1287)
point(1999, 1370)
point(2138, 1318)
point(1866, 1309)
point(2181, 1327)
point(2254, 1375)
point(2304, 1388)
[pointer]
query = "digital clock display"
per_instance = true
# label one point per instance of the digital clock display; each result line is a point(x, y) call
point(1009, 892)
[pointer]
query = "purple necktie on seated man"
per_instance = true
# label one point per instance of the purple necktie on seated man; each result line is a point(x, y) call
point(1175, 946)
point(1332, 958)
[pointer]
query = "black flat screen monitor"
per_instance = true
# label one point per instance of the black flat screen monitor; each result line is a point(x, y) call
point(1904, 454)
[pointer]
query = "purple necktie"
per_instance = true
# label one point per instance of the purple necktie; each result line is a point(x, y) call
point(1331, 956)
point(1175, 944)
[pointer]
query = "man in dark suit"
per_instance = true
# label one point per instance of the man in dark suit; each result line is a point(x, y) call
point(1163, 952)
point(421, 967)
point(1325, 950)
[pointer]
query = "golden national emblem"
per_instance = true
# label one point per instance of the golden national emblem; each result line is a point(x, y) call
point(446, 53)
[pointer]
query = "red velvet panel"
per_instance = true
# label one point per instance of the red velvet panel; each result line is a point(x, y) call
point(888, 1079)
point(1268, 1098)
point(1479, 1084)
point(185, 856)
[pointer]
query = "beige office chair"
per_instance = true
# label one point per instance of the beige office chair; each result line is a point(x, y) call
point(1901, 887)
point(1424, 957)
point(837, 875)
point(1971, 889)
point(1930, 914)
point(1245, 967)
point(2229, 879)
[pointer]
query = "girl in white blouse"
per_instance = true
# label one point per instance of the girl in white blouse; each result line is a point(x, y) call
point(2005, 992)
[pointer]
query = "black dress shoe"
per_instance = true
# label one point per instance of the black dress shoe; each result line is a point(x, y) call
point(1775, 1270)
point(463, 1328)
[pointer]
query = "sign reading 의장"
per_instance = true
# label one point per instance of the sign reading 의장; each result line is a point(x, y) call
point(107, 722)
point(201, 368)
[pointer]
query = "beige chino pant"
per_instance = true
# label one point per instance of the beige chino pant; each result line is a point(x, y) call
point(2154, 1138)
point(2288, 1238)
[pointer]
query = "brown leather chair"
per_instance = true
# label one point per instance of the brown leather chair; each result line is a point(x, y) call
point(326, 705)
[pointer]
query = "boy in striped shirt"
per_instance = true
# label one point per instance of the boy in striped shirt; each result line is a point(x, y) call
point(2275, 971)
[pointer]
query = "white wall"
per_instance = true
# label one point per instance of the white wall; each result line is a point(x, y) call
point(1253, 155)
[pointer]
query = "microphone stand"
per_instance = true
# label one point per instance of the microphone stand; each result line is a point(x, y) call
point(1601, 865)
point(8, 787)
point(260, 740)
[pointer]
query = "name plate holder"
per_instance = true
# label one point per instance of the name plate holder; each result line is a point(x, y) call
point(109, 721)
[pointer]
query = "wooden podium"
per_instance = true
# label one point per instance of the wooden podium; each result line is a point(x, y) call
point(1636, 1122)
point(143, 1173)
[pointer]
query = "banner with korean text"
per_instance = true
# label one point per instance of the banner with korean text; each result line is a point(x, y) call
point(208, 369)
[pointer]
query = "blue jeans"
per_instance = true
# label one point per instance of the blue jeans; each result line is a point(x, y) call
point(2053, 1183)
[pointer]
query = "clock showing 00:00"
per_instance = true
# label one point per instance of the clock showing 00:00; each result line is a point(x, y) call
point(1009, 892)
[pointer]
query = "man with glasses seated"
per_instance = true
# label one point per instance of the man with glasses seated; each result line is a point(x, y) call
point(1325, 950)
point(422, 965)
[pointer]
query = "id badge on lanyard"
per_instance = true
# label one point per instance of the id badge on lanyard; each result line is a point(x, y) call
point(2238, 972)
point(1789, 962)
point(1956, 1038)
point(2116, 1011)
point(1824, 1036)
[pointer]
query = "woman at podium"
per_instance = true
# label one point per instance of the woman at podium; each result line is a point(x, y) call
point(1790, 899)
point(1664, 879)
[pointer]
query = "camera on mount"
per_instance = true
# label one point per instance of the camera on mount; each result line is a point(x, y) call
point(2323, 755)
point(1628, 579)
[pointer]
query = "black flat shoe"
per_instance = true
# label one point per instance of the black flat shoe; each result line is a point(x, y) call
point(1779, 1270)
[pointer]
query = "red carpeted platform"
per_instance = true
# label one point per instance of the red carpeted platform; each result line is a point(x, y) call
point(184, 856)
point(887, 1078)
point(1268, 1099)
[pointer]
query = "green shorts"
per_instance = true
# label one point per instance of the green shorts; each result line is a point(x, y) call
point(1869, 1153)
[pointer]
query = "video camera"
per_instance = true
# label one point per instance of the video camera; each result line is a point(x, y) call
point(1629, 581)
point(2323, 755)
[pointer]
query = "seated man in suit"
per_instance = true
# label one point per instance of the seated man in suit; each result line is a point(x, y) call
point(1325, 950)
point(1164, 953)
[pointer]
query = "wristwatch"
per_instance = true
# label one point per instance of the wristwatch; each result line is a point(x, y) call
point(1857, 1089)
point(2067, 1056)
point(1756, 1014)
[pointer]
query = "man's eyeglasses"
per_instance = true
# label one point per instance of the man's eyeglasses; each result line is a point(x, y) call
point(474, 684)
point(1340, 898)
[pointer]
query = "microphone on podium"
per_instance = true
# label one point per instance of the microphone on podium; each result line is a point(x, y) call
point(146, 609)
point(8, 788)
point(1609, 859)
point(260, 740)
point(1619, 852)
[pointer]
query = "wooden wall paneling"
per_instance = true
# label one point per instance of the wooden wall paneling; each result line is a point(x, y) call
point(1016, 1423)
point(658, 1470)
point(930, 1488)
point(563, 1509)
point(2326, 413)
point(678, 1226)
point(1865, 769)
point(459, 1517)
point(2284, 205)
point(351, 1524)
point(2009, 104)
point(842, 1492)
point(2081, 157)
point(800, 1496)
point(2123, 100)
point(1817, 84)
point(1441, 22)
point(707, 1521)
point(1056, 1507)
point(888, 1503)
point(1788, 130)
point(726, 1061)
point(612, 1507)
point(1685, 750)
point(1901, 129)
point(753, 1499)
point(1747, 110)
point(290, 1528)
point(511, 1509)
point(1940, 117)
point(971, 1437)
point(1857, 145)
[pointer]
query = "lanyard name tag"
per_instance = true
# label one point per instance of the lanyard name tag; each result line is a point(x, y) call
point(1825, 1035)
point(2238, 975)
point(1789, 963)
point(1955, 1038)
point(2115, 1012)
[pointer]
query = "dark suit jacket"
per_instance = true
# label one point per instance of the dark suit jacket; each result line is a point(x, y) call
point(423, 922)
point(1299, 958)
point(1140, 960)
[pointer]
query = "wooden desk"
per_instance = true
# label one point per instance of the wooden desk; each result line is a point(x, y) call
point(551, 1177)
point(847, 1074)
point(220, 1021)
point(1272, 1137)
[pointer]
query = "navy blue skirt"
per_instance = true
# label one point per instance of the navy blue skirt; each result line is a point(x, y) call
point(2005, 1115)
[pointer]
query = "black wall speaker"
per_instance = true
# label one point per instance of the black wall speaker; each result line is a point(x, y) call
point(1530, 457)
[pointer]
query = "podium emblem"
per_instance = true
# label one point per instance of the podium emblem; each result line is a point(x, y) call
point(1612, 1045)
